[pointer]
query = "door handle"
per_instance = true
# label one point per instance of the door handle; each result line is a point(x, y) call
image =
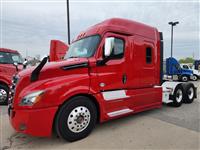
point(124, 78)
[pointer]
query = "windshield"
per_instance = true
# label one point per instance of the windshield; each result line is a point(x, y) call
point(177, 66)
point(85, 47)
point(10, 58)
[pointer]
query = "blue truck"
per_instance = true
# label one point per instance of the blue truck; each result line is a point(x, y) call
point(197, 64)
point(173, 70)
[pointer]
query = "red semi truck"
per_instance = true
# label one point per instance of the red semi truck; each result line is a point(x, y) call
point(11, 62)
point(111, 70)
point(7, 69)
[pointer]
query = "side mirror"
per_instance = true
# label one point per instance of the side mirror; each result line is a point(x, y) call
point(108, 48)
point(16, 65)
point(109, 45)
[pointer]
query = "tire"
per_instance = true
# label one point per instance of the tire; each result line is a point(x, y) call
point(178, 96)
point(194, 78)
point(189, 93)
point(184, 78)
point(76, 119)
point(3, 94)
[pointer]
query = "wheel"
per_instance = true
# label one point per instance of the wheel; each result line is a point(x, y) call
point(177, 96)
point(189, 93)
point(76, 119)
point(3, 94)
point(184, 78)
point(194, 77)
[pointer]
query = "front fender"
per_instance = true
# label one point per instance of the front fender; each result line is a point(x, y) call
point(5, 80)
point(61, 89)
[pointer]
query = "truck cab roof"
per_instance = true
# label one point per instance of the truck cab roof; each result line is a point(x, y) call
point(122, 26)
point(8, 50)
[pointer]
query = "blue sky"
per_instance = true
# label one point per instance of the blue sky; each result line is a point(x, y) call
point(29, 25)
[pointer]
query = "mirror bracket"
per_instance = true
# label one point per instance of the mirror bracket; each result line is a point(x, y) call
point(25, 64)
point(16, 66)
point(102, 62)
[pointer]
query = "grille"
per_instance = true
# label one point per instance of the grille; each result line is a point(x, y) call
point(12, 89)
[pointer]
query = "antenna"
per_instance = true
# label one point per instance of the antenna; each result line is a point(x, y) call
point(26, 53)
point(68, 21)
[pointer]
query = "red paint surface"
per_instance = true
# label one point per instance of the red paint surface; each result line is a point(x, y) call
point(58, 50)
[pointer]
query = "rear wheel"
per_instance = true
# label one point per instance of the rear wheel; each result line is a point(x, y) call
point(3, 94)
point(178, 96)
point(76, 119)
point(189, 93)
point(184, 78)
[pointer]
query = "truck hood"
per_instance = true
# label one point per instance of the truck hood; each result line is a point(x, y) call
point(54, 65)
point(196, 72)
point(52, 70)
point(50, 76)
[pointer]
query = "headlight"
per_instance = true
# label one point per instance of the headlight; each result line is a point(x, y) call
point(31, 99)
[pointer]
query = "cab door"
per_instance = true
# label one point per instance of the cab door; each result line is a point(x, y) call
point(112, 75)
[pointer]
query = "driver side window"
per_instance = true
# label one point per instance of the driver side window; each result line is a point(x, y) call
point(15, 58)
point(118, 48)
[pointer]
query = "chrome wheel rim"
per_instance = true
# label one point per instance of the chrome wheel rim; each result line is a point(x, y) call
point(191, 93)
point(3, 95)
point(184, 78)
point(179, 95)
point(78, 119)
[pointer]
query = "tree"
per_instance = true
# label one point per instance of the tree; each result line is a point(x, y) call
point(187, 60)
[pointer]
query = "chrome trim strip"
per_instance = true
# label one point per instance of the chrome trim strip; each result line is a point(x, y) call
point(119, 112)
point(75, 66)
point(112, 95)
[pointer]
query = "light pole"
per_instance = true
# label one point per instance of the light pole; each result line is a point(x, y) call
point(172, 25)
point(68, 21)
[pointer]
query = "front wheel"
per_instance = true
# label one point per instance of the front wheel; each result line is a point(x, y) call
point(76, 119)
point(194, 77)
point(3, 94)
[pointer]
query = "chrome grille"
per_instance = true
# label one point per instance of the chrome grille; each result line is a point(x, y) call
point(12, 89)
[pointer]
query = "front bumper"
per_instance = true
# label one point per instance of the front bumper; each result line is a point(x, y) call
point(35, 122)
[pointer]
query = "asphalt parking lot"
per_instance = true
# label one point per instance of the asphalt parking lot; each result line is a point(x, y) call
point(165, 128)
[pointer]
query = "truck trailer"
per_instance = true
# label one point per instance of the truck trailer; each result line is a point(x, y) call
point(111, 70)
